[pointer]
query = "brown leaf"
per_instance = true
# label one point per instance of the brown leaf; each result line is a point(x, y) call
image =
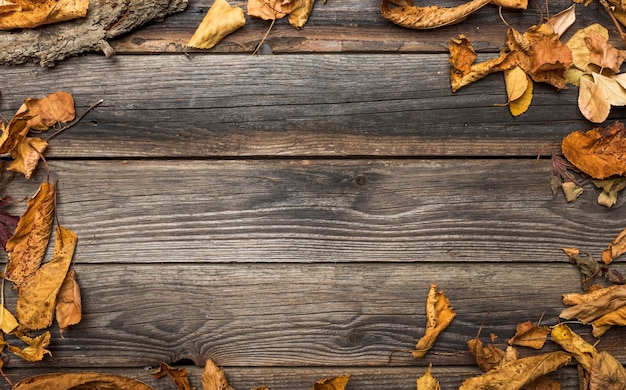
point(37, 13)
point(428, 381)
point(515, 374)
point(28, 244)
point(606, 373)
point(82, 380)
point(422, 18)
point(581, 54)
point(269, 9)
point(14, 132)
point(549, 53)
point(214, 378)
point(574, 344)
point(69, 304)
point(178, 375)
point(486, 357)
point(336, 383)
point(36, 349)
point(439, 315)
point(543, 383)
point(602, 53)
point(26, 155)
point(600, 152)
point(37, 295)
point(530, 335)
point(219, 21)
point(50, 110)
point(616, 248)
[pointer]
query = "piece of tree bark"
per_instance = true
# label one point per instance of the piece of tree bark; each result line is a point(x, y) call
point(105, 19)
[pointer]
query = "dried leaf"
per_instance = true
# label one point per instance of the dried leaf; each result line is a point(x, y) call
point(69, 304)
point(269, 9)
point(530, 335)
point(615, 249)
point(178, 375)
point(607, 373)
point(549, 53)
point(613, 90)
point(336, 383)
point(300, 15)
point(543, 383)
point(8, 323)
point(581, 54)
point(82, 380)
point(571, 190)
point(422, 18)
point(600, 152)
point(605, 303)
point(38, 294)
point(439, 315)
point(516, 82)
point(570, 341)
point(603, 323)
point(36, 349)
point(50, 110)
point(37, 13)
point(593, 101)
point(515, 374)
point(214, 378)
point(14, 132)
point(26, 155)
point(28, 244)
point(602, 53)
point(610, 188)
point(428, 381)
point(7, 222)
point(464, 71)
point(563, 20)
point(219, 21)
point(486, 357)
point(594, 292)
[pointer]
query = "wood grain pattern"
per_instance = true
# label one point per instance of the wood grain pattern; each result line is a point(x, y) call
point(300, 105)
point(324, 210)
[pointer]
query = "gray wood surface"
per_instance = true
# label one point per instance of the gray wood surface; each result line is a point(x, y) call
point(285, 215)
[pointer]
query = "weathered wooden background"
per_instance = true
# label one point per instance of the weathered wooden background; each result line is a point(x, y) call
point(286, 214)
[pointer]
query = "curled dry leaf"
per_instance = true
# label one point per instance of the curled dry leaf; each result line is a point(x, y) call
point(600, 152)
point(428, 381)
point(519, 87)
point(55, 108)
point(336, 383)
point(26, 155)
point(606, 373)
point(602, 53)
point(571, 190)
point(616, 248)
point(36, 13)
point(515, 374)
point(27, 246)
point(487, 357)
point(269, 9)
point(581, 54)
point(36, 347)
point(219, 21)
point(607, 309)
point(530, 335)
point(214, 378)
point(82, 380)
point(610, 188)
point(439, 315)
point(69, 304)
point(300, 14)
point(179, 376)
point(464, 72)
point(38, 294)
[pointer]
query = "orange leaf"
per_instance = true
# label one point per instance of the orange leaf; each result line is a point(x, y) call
point(82, 380)
point(439, 315)
point(38, 294)
point(28, 244)
point(428, 381)
point(530, 335)
point(178, 375)
point(69, 304)
point(600, 152)
point(486, 357)
point(36, 13)
point(50, 110)
point(26, 155)
point(214, 378)
point(336, 383)
point(616, 248)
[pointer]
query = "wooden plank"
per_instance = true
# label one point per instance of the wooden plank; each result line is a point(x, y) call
point(328, 210)
point(348, 26)
point(300, 105)
point(284, 378)
point(295, 315)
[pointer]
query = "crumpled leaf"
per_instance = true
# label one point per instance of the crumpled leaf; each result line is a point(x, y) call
point(606, 373)
point(616, 248)
point(422, 18)
point(179, 376)
point(214, 378)
point(14, 132)
point(487, 357)
point(36, 13)
point(530, 335)
point(439, 315)
point(270, 9)
point(610, 188)
point(570, 341)
point(600, 152)
point(69, 304)
point(55, 108)
point(336, 383)
point(602, 53)
point(562, 21)
point(549, 53)
point(36, 349)
point(219, 21)
point(543, 383)
point(428, 381)
point(27, 246)
point(515, 374)
point(26, 155)
point(606, 309)
point(82, 380)
point(38, 294)
point(464, 71)
point(590, 268)
point(571, 190)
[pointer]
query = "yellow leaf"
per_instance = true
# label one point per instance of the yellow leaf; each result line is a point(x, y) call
point(607, 373)
point(37, 295)
point(530, 335)
point(428, 381)
point(37, 13)
point(26, 155)
point(486, 357)
point(571, 190)
point(36, 349)
point(515, 374)
point(219, 21)
point(516, 82)
point(581, 54)
point(439, 315)
point(300, 15)
point(269, 9)
point(82, 380)
point(28, 244)
point(574, 344)
point(563, 20)
point(214, 378)
point(69, 304)
point(336, 383)
point(520, 105)
point(613, 90)
point(604, 322)
point(593, 102)
point(8, 323)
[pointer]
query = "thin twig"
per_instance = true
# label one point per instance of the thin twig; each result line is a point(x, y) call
point(264, 37)
point(75, 121)
point(608, 9)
